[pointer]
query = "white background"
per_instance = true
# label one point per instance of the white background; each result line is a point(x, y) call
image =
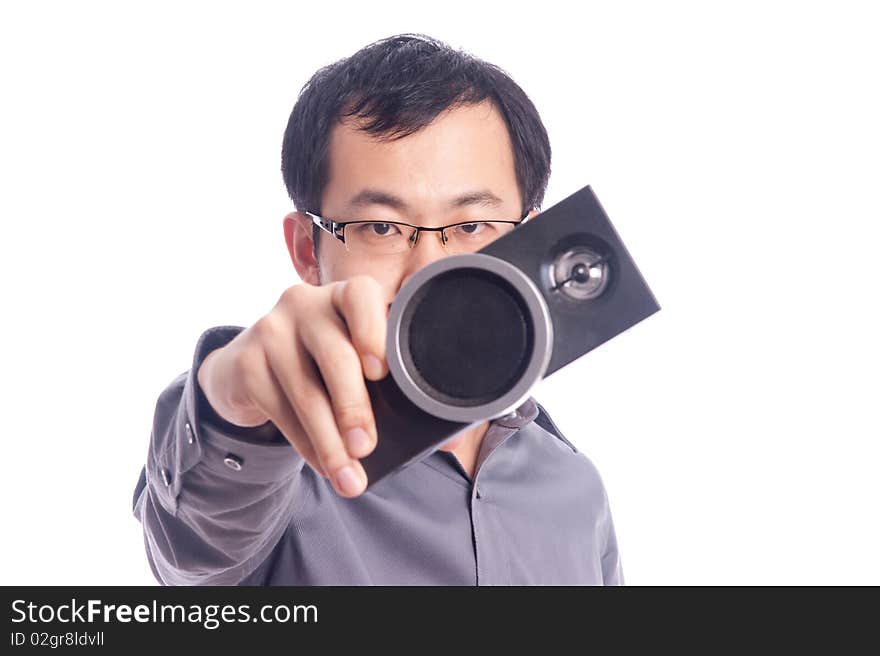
point(735, 147)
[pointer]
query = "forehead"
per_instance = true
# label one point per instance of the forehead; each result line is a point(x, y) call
point(464, 148)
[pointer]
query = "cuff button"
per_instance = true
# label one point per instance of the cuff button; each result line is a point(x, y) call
point(189, 433)
point(233, 461)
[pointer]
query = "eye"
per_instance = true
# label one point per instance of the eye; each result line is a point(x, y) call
point(375, 229)
point(473, 229)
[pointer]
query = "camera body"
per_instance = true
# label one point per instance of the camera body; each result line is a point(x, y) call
point(470, 335)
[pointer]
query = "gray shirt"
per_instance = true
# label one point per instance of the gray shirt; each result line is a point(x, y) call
point(223, 505)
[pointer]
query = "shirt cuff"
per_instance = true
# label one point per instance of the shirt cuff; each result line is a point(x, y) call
point(198, 435)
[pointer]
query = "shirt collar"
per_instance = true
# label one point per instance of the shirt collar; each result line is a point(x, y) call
point(501, 428)
point(524, 414)
point(498, 431)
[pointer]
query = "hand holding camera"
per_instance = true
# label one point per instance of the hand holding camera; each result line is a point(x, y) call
point(303, 367)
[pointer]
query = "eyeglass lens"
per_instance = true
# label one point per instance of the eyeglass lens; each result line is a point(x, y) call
point(389, 238)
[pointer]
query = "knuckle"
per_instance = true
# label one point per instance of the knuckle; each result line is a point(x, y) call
point(363, 282)
point(359, 287)
point(305, 397)
point(267, 327)
point(352, 414)
point(331, 349)
point(350, 292)
point(294, 295)
point(325, 351)
point(331, 457)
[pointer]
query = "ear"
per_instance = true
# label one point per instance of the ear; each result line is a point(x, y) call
point(298, 236)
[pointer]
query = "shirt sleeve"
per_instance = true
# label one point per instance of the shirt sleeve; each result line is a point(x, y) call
point(214, 499)
point(612, 570)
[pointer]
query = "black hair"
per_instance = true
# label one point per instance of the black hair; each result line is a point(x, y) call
point(397, 86)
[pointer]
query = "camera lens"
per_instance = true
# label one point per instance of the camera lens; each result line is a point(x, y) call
point(467, 337)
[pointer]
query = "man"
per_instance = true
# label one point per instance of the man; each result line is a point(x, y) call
point(405, 131)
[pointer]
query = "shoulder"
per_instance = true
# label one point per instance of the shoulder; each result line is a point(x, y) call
point(575, 462)
point(544, 420)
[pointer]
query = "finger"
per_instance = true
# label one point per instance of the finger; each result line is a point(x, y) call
point(272, 402)
point(360, 302)
point(300, 381)
point(340, 370)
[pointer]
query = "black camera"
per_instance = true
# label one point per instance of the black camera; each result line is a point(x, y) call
point(470, 335)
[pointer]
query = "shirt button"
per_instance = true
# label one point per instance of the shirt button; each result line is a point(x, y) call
point(189, 433)
point(233, 461)
point(166, 477)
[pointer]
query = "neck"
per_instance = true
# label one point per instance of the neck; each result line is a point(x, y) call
point(467, 446)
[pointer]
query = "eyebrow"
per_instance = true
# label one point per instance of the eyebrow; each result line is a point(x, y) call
point(366, 197)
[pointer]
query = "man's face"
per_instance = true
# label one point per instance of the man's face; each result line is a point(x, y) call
point(465, 150)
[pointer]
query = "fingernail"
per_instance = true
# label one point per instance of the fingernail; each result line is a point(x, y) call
point(348, 481)
point(358, 441)
point(372, 366)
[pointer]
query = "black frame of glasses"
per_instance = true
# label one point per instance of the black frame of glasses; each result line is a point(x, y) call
point(331, 226)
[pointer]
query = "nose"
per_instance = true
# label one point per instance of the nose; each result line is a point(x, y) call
point(428, 248)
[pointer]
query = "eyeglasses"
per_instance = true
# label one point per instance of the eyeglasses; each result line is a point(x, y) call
point(391, 237)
